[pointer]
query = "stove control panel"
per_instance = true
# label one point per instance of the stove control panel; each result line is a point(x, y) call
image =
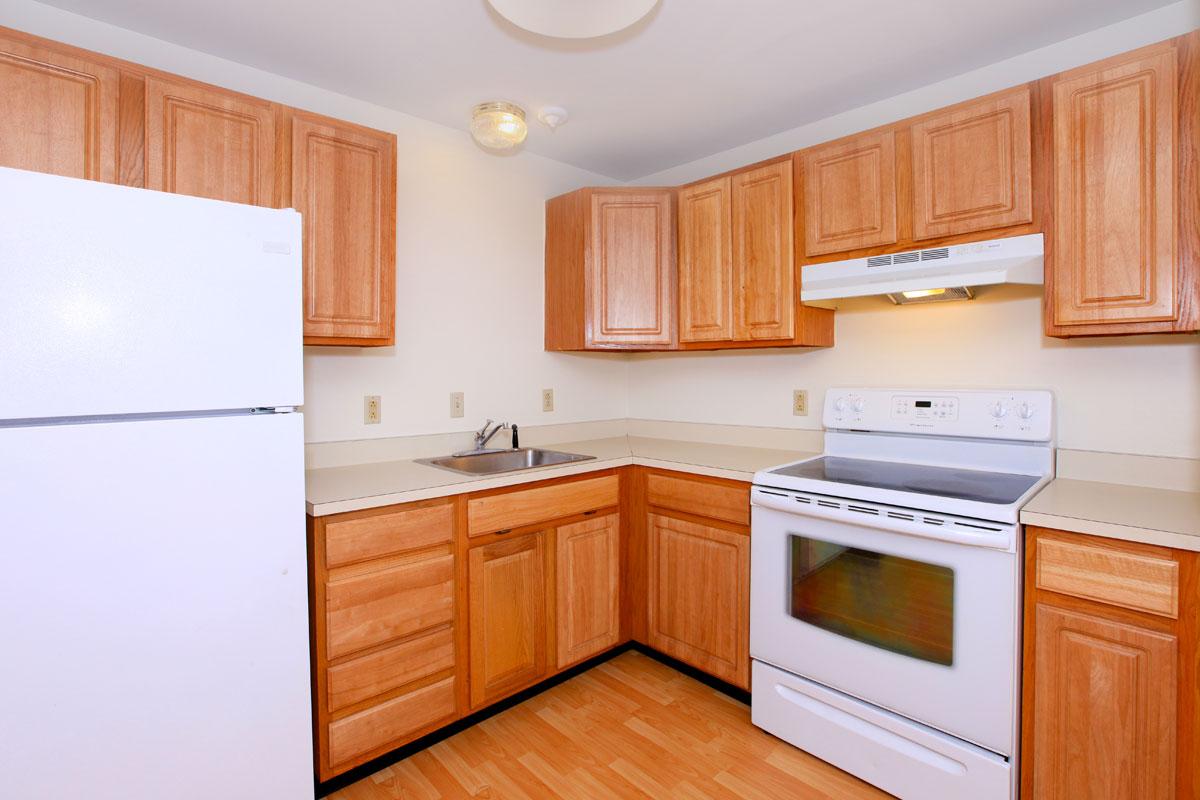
point(1012, 415)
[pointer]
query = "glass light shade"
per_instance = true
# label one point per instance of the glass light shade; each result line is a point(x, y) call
point(498, 125)
point(573, 19)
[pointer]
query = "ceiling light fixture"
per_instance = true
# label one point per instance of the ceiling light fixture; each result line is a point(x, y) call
point(573, 19)
point(498, 125)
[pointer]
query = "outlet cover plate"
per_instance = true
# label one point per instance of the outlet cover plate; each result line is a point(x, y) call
point(457, 406)
point(800, 402)
point(547, 399)
point(372, 409)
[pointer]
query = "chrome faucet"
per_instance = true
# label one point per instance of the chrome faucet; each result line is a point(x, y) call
point(483, 435)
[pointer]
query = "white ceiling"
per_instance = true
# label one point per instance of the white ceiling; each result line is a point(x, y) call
point(693, 78)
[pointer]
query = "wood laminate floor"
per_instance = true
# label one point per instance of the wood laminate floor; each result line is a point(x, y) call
point(628, 728)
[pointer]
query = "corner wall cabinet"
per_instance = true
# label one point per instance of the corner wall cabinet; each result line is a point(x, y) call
point(1110, 705)
point(84, 115)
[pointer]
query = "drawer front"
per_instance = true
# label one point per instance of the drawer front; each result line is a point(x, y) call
point(525, 507)
point(1137, 581)
point(370, 609)
point(385, 534)
point(371, 675)
point(390, 721)
point(712, 500)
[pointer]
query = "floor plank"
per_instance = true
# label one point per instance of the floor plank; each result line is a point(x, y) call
point(629, 728)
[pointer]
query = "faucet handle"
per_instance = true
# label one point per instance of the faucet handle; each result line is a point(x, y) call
point(483, 430)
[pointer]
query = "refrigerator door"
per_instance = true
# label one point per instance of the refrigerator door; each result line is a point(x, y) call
point(125, 301)
point(155, 610)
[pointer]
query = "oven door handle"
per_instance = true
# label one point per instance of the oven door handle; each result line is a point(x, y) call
point(998, 536)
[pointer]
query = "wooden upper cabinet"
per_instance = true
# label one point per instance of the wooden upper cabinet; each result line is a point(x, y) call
point(507, 599)
point(630, 269)
point(59, 110)
point(208, 142)
point(588, 577)
point(850, 193)
point(764, 299)
point(972, 167)
point(706, 262)
point(343, 182)
point(1115, 263)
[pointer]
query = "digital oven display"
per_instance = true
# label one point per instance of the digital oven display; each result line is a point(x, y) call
point(923, 404)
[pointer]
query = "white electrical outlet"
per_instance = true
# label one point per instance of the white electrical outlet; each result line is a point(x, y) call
point(372, 410)
point(457, 407)
point(800, 402)
point(547, 399)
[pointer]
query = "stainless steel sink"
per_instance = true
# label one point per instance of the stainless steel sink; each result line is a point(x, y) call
point(492, 462)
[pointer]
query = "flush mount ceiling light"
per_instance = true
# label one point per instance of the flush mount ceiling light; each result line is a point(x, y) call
point(573, 19)
point(498, 125)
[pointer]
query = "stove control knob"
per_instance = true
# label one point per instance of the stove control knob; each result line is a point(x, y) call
point(860, 405)
point(1026, 410)
point(841, 404)
point(999, 410)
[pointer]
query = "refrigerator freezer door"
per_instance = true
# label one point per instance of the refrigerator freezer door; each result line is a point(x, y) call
point(123, 301)
point(154, 609)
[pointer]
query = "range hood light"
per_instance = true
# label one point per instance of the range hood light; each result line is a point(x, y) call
point(914, 296)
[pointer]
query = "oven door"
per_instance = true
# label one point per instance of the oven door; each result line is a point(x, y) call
point(923, 627)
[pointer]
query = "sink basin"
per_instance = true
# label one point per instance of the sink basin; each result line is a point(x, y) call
point(492, 462)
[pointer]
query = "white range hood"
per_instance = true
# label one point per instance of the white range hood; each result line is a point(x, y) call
point(923, 274)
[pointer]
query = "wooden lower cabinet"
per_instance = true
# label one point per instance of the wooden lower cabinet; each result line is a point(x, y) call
point(507, 597)
point(1110, 686)
point(588, 590)
point(699, 593)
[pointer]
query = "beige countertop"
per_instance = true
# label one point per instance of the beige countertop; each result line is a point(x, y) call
point(332, 490)
point(1134, 513)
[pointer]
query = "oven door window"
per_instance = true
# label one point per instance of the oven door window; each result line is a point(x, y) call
point(889, 602)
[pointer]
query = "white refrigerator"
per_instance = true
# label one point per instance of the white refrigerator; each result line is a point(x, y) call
point(153, 589)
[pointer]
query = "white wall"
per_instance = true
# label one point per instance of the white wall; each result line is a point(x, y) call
point(470, 229)
point(1132, 394)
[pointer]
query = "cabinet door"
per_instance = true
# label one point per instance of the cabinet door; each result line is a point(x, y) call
point(343, 182)
point(699, 585)
point(588, 588)
point(1114, 248)
point(850, 193)
point(972, 167)
point(762, 253)
point(507, 599)
point(59, 111)
point(705, 262)
point(631, 268)
point(207, 142)
point(1104, 708)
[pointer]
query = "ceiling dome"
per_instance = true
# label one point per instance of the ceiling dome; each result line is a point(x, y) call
point(573, 19)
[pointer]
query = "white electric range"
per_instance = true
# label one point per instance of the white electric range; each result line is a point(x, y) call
point(885, 587)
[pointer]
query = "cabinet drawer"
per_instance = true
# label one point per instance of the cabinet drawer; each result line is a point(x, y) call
point(525, 507)
point(712, 500)
point(390, 721)
point(370, 609)
point(384, 534)
point(1142, 582)
point(382, 671)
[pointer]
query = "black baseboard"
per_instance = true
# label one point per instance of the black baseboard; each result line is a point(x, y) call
point(417, 745)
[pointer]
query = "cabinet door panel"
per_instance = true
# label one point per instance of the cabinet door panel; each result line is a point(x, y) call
point(507, 601)
point(699, 596)
point(850, 193)
point(1114, 183)
point(1104, 708)
point(588, 583)
point(972, 167)
point(762, 253)
point(631, 268)
point(344, 184)
point(206, 142)
point(705, 262)
point(59, 112)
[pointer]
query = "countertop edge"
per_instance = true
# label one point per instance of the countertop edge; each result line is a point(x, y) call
point(1112, 530)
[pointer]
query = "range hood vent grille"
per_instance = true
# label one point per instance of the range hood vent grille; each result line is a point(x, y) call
point(935, 253)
